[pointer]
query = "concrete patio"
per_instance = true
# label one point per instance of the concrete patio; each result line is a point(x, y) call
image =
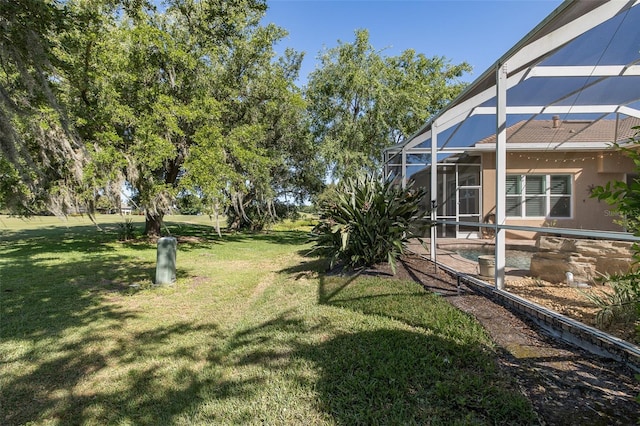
point(447, 254)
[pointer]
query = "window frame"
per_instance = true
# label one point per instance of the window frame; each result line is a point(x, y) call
point(522, 196)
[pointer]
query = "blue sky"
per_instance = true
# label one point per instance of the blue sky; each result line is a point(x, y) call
point(478, 32)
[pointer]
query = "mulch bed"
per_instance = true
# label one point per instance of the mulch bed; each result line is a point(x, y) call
point(566, 385)
point(571, 302)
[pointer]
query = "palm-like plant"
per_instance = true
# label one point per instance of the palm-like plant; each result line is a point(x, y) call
point(620, 306)
point(368, 222)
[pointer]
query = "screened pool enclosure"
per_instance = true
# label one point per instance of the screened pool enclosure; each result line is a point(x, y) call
point(519, 152)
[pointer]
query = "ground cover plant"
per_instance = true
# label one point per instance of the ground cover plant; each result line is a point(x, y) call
point(251, 333)
point(625, 197)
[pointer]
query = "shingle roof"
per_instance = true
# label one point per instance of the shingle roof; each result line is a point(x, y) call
point(543, 131)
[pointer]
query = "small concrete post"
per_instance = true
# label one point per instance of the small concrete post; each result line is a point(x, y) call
point(166, 261)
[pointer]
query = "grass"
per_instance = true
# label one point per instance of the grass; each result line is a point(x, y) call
point(251, 333)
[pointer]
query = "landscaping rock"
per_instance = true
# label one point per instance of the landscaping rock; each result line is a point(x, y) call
point(586, 259)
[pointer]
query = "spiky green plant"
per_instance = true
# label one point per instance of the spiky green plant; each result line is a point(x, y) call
point(368, 222)
point(126, 230)
point(620, 306)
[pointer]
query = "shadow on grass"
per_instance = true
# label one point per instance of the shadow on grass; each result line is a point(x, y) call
point(59, 240)
point(441, 372)
point(310, 266)
point(55, 322)
point(139, 393)
point(391, 376)
point(291, 237)
point(45, 299)
point(62, 341)
point(196, 236)
point(59, 332)
point(55, 277)
point(403, 377)
point(91, 238)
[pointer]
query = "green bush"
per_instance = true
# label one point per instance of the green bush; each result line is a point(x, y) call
point(621, 306)
point(126, 230)
point(367, 222)
point(189, 204)
point(625, 197)
point(258, 216)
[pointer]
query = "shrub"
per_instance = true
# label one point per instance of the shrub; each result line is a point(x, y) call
point(620, 306)
point(126, 230)
point(189, 204)
point(258, 216)
point(625, 196)
point(367, 222)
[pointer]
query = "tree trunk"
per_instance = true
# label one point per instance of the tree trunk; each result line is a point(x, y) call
point(234, 225)
point(153, 223)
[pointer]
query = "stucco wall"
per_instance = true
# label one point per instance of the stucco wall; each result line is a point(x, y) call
point(588, 169)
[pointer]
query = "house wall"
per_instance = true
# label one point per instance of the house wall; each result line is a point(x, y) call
point(589, 170)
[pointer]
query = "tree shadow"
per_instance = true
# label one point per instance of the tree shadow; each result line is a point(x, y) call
point(41, 300)
point(583, 391)
point(290, 237)
point(60, 292)
point(142, 395)
point(307, 268)
point(56, 287)
point(54, 328)
point(194, 236)
point(397, 377)
point(59, 275)
point(31, 242)
point(391, 376)
point(60, 289)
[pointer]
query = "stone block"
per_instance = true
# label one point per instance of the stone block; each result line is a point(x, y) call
point(614, 265)
point(586, 259)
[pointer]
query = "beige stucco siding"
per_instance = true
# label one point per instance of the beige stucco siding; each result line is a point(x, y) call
point(588, 170)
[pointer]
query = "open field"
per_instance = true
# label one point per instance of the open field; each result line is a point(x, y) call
point(251, 333)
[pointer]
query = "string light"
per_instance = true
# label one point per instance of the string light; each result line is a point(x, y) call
point(573, 159)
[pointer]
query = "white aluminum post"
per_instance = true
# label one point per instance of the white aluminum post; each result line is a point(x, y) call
point(404, 168)
point(501, 172)
point(434, 189)
point(385, 163)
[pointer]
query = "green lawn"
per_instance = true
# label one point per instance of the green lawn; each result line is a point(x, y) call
point(251, 333)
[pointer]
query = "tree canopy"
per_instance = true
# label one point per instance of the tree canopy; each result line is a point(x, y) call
point(97, 95)
point(41, 156)
point(361, 102)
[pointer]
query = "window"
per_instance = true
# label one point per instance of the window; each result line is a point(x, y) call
point(538, 196)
